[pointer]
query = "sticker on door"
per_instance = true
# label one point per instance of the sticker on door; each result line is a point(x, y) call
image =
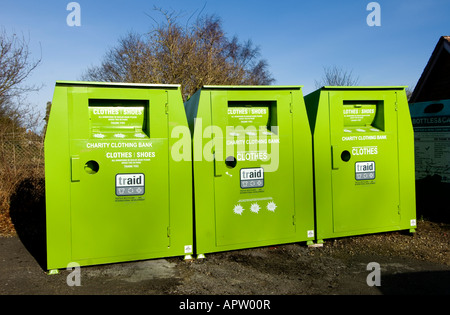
point(130, 184)
point(252, 177)
point(365, 170)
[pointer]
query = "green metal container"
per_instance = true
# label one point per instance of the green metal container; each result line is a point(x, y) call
point(113, 191)
point(363, 160)
point(252, 186)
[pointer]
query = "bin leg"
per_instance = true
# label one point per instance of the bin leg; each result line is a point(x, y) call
point(53, 272)
point(318, 244)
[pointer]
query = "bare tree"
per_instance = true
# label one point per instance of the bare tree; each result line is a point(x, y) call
point(21, 151)
point(197, 54)
point(336, 76)
point(15, 67)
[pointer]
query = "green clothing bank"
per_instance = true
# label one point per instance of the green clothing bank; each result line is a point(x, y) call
point(363, 160)
point(252, 159)
point(113, 192)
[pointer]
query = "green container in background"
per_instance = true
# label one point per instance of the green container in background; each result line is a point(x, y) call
point(252, 186)
point(113, 191)
point(363, 160)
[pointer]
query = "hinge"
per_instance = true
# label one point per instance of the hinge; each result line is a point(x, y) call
point(168, 237)
point(167, 103)
point(290, 103)
point(293, 219)
point(398, 208)
point(396, 106)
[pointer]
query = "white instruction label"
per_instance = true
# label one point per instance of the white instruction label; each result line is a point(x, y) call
point(188, 249)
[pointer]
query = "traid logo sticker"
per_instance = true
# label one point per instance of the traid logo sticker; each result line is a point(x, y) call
point(130, 184)
point(365, 170)
point(252, 177)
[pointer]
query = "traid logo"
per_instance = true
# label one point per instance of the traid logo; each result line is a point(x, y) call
point(252, 177)
point(365, 170)
point(130, 184)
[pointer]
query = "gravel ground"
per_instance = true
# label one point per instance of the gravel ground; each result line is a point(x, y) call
point(409, 264)
point(416, 263)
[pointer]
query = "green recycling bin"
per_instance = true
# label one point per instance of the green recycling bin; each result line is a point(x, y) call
point(113, 191)
point(252, 186)
point(363, 160)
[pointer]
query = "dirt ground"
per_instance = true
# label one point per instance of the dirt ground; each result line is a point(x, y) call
point(409, 264)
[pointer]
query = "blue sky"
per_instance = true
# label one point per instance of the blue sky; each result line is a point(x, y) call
point(297, 38)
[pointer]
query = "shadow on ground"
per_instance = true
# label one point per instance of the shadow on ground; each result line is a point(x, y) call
point(27, 211)
point(432, 199)
point(413, 283)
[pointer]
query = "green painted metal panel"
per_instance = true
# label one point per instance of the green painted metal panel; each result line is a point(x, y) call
point(252, 186)
point(363, 160)
point(113, 191)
